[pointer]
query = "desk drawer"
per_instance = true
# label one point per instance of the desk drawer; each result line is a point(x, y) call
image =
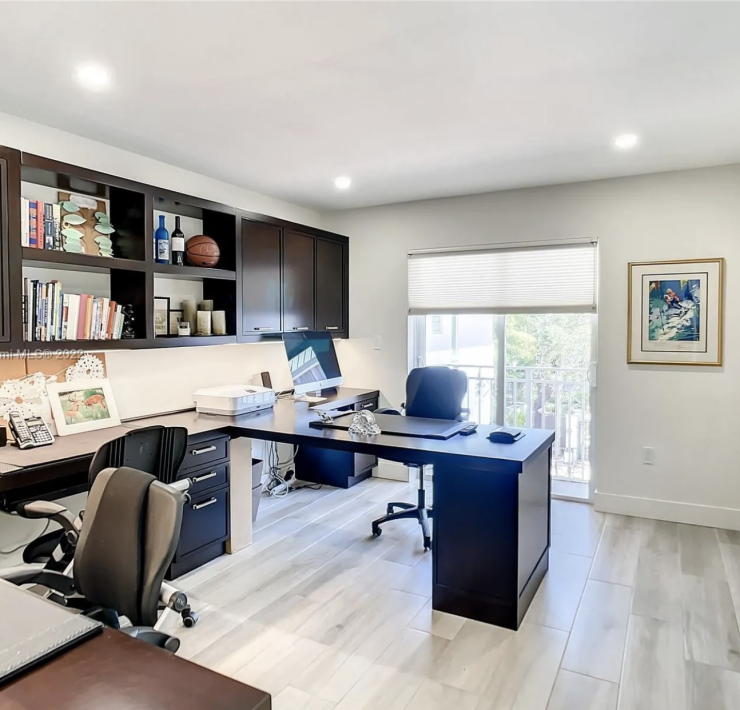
point(206, 479)
point(205, 520)
point(201, 453)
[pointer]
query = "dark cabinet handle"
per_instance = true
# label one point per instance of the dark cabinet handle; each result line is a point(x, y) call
point(198, 452)
point(205, 504)
point(331, 327)
point(205, 477)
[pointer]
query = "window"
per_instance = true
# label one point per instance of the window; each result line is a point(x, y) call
point(519, 323)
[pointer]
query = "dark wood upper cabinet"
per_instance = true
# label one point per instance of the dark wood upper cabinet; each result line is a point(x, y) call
point(298, 281)
point(330, 283)
point(260, 278)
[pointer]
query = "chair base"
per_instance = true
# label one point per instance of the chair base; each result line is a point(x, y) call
point(408, 511)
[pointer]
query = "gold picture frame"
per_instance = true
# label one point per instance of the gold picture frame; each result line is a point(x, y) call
point(675, 312)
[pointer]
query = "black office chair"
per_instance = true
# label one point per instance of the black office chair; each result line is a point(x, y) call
point(156, 450)
point(130, 533)
point(432, 393)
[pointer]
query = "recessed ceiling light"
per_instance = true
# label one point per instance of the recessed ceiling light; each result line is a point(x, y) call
point(342, 182)
point(625, 141)
point(93, 76)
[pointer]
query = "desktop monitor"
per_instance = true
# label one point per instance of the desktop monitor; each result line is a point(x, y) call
point(312, 361)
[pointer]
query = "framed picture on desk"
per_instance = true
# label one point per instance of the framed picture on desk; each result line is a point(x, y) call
point(82, 405)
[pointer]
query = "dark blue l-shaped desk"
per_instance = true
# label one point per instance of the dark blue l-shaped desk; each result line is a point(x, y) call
point(491, 501)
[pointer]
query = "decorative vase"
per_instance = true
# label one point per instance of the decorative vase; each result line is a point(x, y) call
point(189, 310)
point(219, 322)
point(204, 323)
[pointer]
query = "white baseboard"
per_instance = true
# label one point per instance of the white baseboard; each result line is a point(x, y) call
point(689, 513)
point(392, 470)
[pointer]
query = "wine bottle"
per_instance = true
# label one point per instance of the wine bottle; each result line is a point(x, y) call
point(162, 243)
point(177, 238)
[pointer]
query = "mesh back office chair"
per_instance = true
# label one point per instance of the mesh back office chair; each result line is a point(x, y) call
point(129, 536)
point(432, 393)
point(156, 450)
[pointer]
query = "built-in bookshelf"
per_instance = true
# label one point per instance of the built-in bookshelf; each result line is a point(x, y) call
point(74, 296)
point(263, 262)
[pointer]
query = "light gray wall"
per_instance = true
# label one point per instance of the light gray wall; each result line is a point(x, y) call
point(687, 414)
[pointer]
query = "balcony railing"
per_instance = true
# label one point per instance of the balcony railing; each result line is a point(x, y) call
point(555, 398)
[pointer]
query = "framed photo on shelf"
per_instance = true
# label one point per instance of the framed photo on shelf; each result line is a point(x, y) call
point(175, 318)
point(82, 405)
point(161, 315)
point(675, 312)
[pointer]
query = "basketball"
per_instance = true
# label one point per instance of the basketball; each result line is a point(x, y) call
point(201, 250)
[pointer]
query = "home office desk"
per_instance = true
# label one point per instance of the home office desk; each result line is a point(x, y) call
point(57, 659)
point(113, 670)
point(492, 501)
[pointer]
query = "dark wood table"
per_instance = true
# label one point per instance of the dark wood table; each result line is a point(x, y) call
point(116, 672)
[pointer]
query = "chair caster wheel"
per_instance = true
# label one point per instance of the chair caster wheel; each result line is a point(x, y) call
point(427, 544)
point(377, 532)
point(189, 619)
point(390, 509)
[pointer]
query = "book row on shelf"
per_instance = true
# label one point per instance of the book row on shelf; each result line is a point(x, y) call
point(41, 225)
point(50, 314)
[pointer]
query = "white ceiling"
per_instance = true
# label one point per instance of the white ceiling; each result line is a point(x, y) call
point(412, 100)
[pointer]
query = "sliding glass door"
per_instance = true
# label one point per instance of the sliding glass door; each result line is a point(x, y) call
point(520, 322)
point(524, 370)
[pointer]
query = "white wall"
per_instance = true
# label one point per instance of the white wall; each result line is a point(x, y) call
point(687, 414)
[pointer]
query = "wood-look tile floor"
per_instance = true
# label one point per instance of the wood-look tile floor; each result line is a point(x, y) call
point(633, 615)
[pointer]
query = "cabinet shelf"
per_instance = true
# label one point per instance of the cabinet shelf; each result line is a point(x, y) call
point(193, 272)
point(78, 262)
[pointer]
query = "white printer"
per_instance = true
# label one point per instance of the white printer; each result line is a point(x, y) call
point(233, 399)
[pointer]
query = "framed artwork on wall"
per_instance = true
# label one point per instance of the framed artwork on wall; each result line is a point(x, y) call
point(675, 312)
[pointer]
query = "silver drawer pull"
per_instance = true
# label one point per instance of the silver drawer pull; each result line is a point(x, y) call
point(205, 477)
point(198, 452)
point(300, 327)
point(331, 327)
point(198, 506)
point(259, 328)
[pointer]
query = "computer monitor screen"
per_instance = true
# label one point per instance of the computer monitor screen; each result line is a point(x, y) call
point(312, 361)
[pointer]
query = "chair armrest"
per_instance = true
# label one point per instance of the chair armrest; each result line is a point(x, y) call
point(44, 509)
point(154, 638)
point(36, 574)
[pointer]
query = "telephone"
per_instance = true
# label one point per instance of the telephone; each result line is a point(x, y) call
point(29, 432)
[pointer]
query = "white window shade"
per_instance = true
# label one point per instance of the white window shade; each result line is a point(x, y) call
point(547, 279)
